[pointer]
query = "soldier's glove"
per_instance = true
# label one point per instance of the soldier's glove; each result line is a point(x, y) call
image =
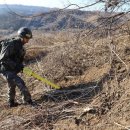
point(19, 68)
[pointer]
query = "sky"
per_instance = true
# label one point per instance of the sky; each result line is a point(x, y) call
point(50, 3)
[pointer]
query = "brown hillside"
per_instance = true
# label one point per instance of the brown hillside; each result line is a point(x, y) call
point(94, 76)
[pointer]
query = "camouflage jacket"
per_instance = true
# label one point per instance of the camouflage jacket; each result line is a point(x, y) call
point(12, 55)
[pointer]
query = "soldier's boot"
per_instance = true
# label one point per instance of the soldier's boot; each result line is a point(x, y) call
point(12, 103)
point(31, 103)
point(27, 98)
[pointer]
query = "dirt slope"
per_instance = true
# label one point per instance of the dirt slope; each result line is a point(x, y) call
point(94, 94)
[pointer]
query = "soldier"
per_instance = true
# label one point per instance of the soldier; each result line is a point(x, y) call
point(11, 63)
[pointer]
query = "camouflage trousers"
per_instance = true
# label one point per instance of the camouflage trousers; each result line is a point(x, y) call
point(14, 80)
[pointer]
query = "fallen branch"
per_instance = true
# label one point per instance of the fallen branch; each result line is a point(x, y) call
point(126, 128)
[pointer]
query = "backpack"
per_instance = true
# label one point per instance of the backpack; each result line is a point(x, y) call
point(1, 45)
point(5, 40)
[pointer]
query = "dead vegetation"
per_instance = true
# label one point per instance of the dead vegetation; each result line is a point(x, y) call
point(94, 80)
point(93, 72)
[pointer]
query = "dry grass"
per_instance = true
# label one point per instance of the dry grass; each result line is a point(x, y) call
point(89, 73)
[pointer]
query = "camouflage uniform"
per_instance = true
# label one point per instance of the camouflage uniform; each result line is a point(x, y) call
point(11, 63)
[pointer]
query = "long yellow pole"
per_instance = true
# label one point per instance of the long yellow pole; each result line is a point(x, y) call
point(29, 72)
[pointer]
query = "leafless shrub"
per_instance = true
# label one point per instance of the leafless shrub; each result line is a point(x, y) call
point(66, 58)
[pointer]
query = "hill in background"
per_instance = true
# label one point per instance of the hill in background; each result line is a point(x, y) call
point(14, 16)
